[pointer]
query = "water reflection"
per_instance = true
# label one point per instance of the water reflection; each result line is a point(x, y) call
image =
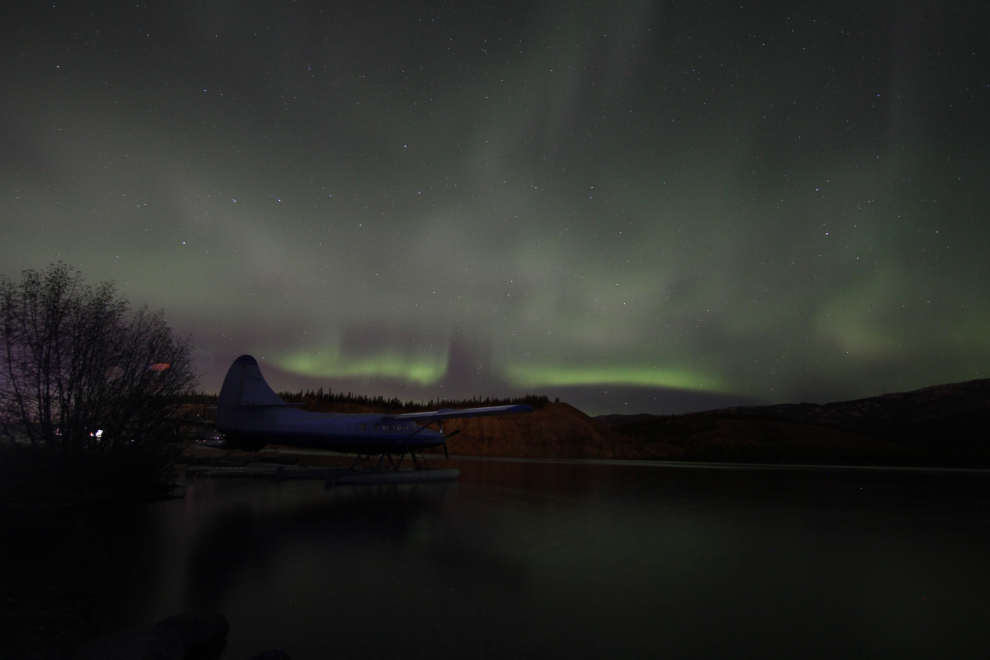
point(575, 561)
point(331, 533)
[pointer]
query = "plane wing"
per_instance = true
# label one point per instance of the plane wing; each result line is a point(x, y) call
point(452, 413)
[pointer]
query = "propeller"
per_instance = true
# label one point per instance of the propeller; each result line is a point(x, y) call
point(449, 435)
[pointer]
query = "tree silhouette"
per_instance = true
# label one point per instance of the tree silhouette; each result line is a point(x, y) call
point(88, 385)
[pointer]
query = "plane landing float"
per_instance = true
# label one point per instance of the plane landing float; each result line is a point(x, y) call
point(250, 415)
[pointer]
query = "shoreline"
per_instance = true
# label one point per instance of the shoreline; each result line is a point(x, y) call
point(687, 465)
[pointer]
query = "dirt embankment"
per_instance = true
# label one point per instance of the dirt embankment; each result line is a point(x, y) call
point(558, 430)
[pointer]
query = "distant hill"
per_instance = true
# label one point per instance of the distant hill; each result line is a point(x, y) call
point(944, 425)
point(955, 413)
point(617, 419)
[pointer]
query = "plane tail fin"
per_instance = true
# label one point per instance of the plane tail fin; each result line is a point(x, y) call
point(243, 386)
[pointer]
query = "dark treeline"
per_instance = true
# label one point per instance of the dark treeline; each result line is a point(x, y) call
point(197, 397)
point(320, 398)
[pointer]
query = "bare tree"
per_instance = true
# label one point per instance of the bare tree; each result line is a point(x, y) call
point(88, 383)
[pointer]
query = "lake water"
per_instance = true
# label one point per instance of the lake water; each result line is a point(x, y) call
point(525, 559)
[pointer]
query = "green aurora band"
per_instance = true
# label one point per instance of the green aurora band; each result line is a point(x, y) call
point(639, 194)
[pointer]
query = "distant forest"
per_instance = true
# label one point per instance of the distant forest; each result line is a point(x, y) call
point(320, 398)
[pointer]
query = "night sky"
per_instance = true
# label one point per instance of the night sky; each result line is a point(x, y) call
point(633, 206)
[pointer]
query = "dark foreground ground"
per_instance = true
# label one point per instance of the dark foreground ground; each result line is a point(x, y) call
point(45, 610)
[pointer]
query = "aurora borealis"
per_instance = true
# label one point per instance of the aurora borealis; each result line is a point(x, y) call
point(634, 206)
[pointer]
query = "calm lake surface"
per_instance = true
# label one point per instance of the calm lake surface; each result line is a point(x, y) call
point(523, 559)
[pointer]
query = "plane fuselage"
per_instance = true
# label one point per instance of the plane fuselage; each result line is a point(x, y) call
point(250, 415)
point(362, 433)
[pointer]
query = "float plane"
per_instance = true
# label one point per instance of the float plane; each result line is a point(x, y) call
point(250, 415)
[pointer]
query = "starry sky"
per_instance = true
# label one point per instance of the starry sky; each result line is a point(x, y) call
point(633, 206)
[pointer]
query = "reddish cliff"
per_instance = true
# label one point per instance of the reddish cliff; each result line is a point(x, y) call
point(558, 430)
